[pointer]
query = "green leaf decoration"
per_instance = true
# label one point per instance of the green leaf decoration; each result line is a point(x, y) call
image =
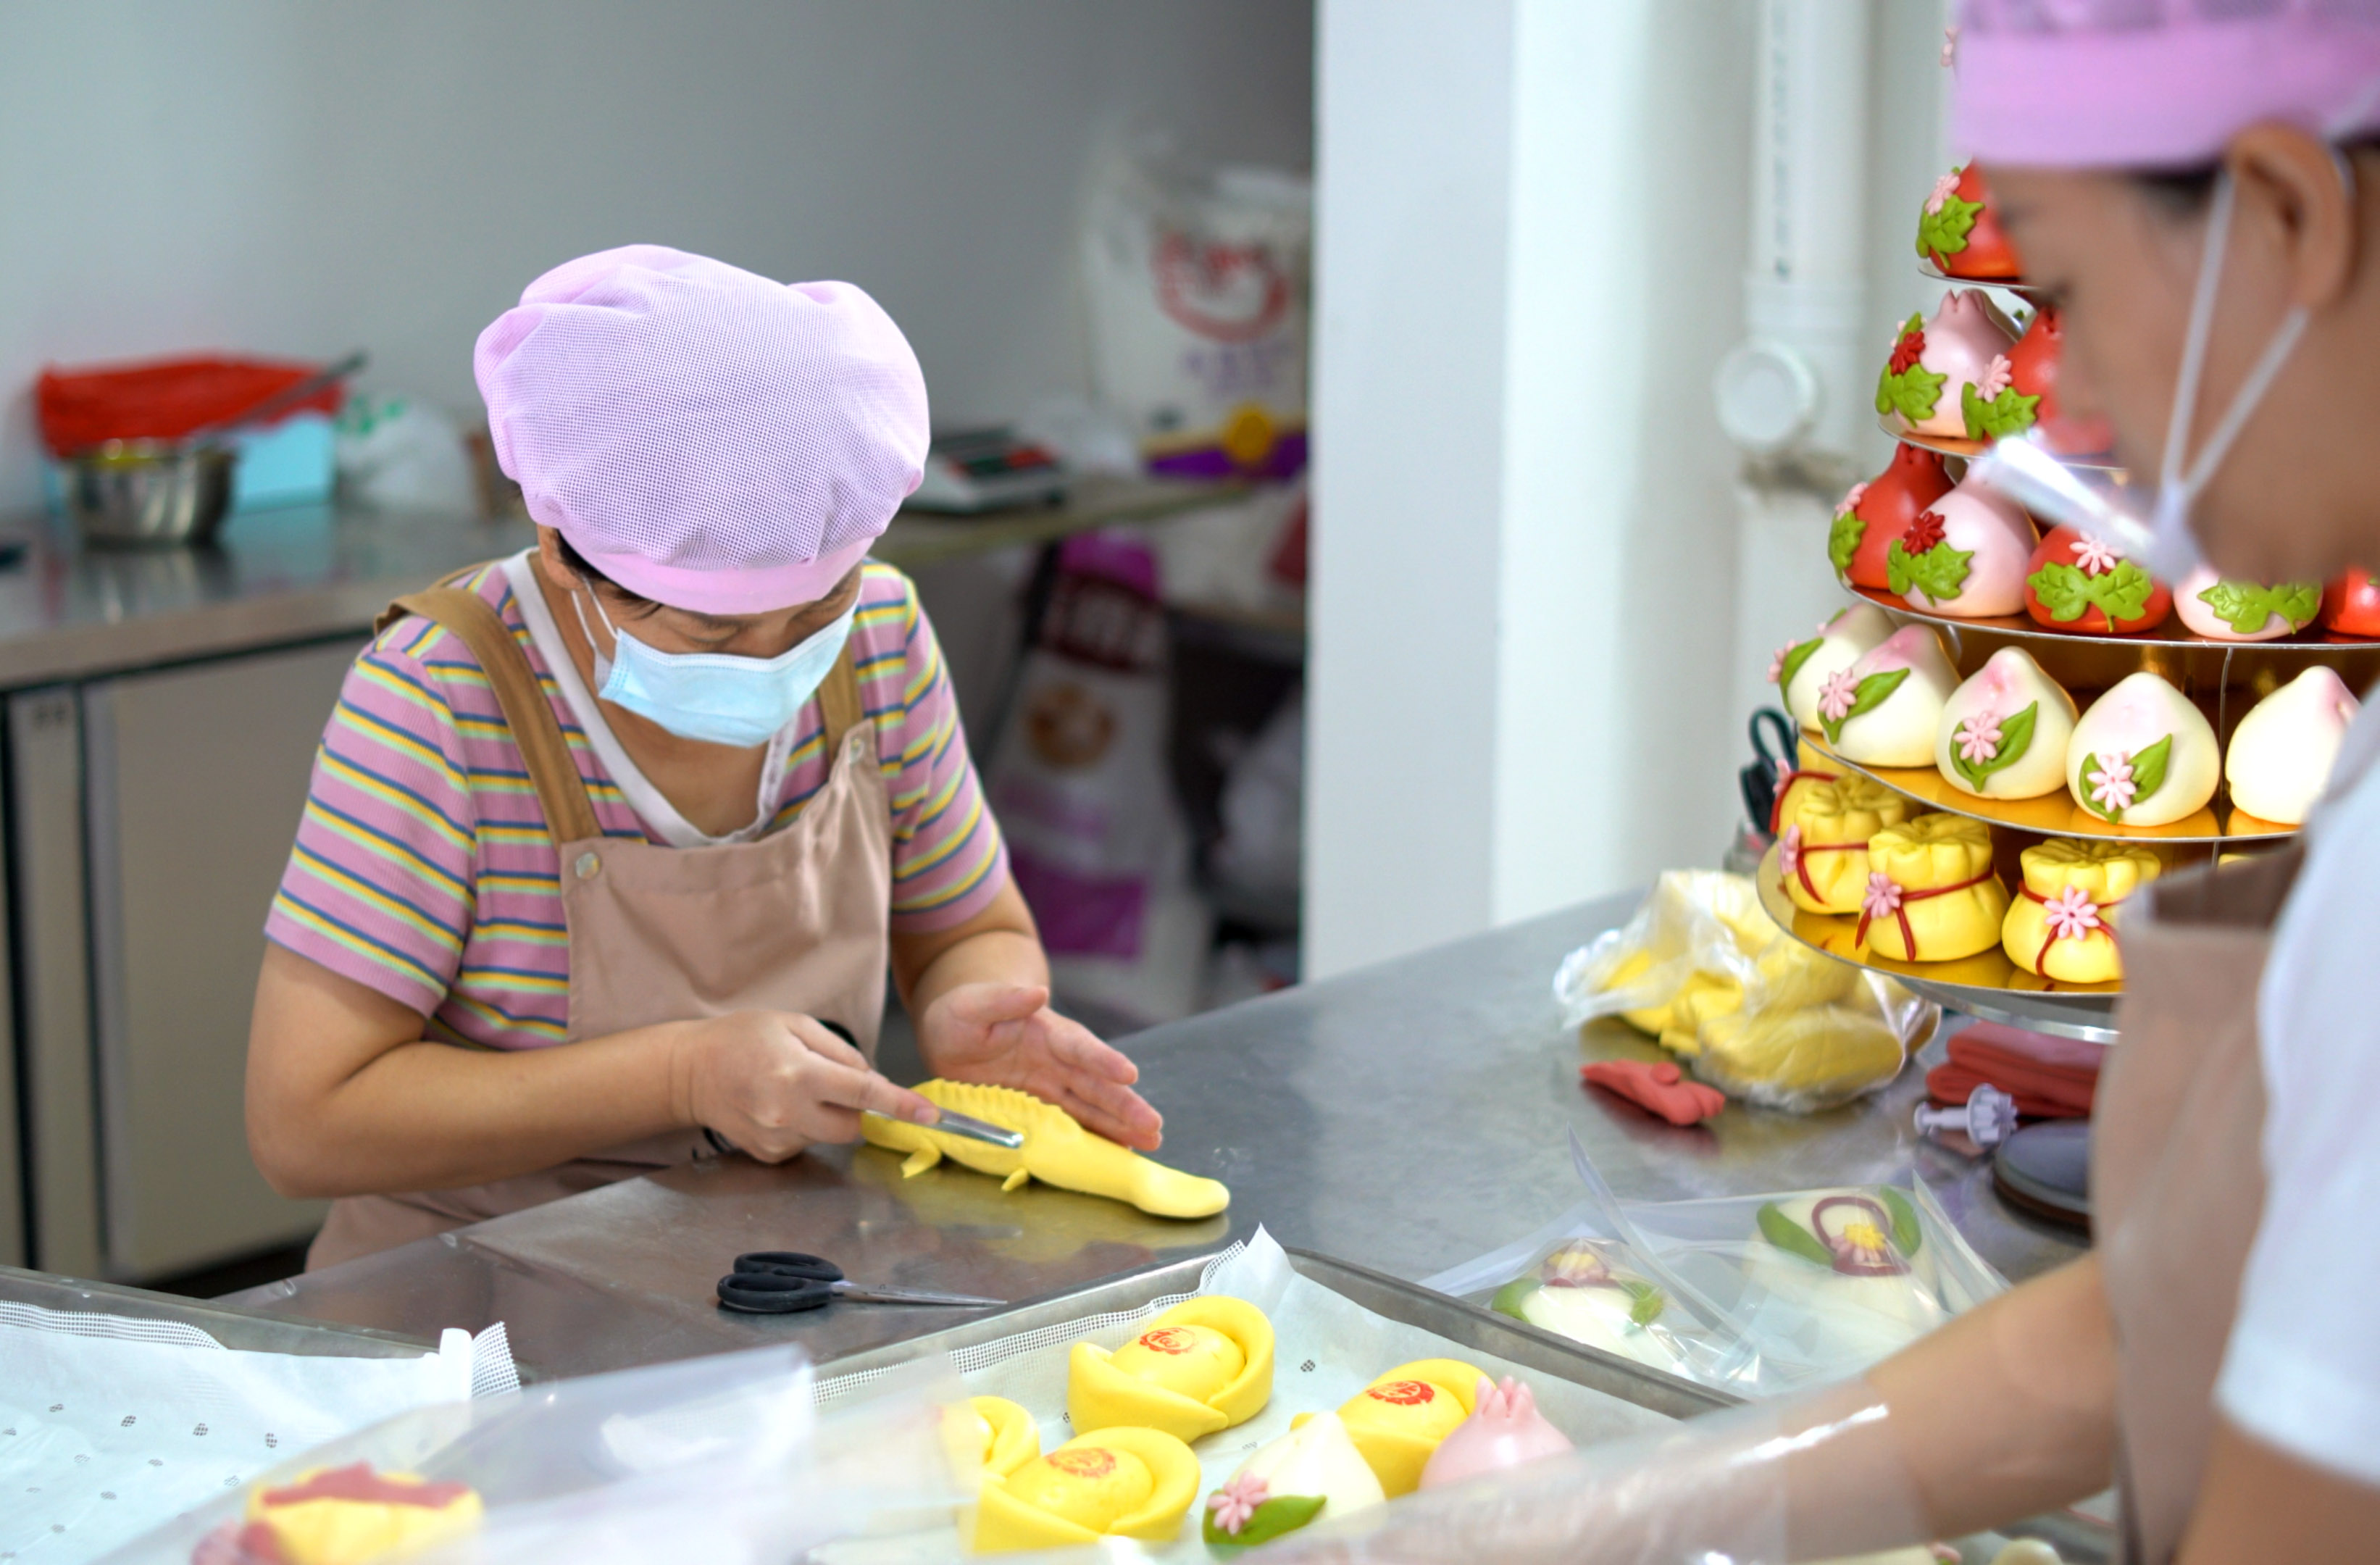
point(1913, 393)
point(1843, 541)
point(1508, 1298)
point(2244, 605)
point(2016, 737)
point(1792, 1237)
point(1906, 1234)
point(2005, 415)
point(1945, 232)
point(1794, 658)
point(1282, 1513)
point(2067, 591)
point(2149, 768)
point(1866, 695)
point(1646, 1302)
point(1938, 573)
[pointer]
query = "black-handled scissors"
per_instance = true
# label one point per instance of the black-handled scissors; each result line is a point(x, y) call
point(785, 1282)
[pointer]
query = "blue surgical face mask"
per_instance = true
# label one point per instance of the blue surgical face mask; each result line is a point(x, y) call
point(713, 696)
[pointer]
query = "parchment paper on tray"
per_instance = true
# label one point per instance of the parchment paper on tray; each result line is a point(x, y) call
point(1326, 1349)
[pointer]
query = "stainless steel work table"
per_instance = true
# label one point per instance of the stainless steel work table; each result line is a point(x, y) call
point(1404, 1118)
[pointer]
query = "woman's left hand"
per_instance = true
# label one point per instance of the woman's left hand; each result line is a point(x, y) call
point(1005, 1035)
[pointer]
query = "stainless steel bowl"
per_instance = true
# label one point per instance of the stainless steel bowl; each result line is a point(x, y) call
point(149, 493)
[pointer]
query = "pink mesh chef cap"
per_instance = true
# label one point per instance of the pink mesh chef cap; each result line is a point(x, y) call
point(2157, 83)
point(705, 437)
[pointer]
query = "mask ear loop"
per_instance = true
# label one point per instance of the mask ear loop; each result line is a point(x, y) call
point(602, 663)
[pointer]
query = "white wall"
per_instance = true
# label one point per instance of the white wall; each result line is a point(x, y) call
point(1530, 229)
point(298, 177)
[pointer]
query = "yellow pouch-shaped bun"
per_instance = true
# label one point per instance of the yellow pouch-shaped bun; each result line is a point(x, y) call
point(1810, 769)
point(1112, 1483)
point(1931, 886)
point(1399, 1419)
point(346, 1515)
point(1204, 1364)
point(2059, 927)
point(1056, 1151)
point(1824, 854)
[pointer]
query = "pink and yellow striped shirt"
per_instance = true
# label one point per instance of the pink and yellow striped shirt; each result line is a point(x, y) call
point(423, 867)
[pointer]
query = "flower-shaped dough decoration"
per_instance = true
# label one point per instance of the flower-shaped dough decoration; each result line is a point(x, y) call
point(1110, 1483)
point(1204, 1364)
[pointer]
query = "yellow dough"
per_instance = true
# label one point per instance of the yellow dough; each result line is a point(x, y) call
point(1112, 1483)
point(2104, 874)
point(346, 1515)
point(995, 1434)
point(1927, 854)
point(1204, 1364)
point(1056, 1151)
point(1398, 1420)
point(1810, 769)
point(1849, 809)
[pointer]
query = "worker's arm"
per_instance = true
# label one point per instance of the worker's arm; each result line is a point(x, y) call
point(2256, 1503)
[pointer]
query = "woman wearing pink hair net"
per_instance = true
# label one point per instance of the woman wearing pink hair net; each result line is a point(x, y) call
point(676, 788)
point(2197, 183)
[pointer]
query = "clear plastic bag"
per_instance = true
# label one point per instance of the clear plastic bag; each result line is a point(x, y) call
point(726, 1459)
point(1704, 969)
point(1752, 1295)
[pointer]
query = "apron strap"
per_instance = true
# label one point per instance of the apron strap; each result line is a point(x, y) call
point(569, 815)
point(839, 710)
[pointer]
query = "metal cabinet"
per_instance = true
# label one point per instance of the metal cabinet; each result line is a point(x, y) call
point(153, 813)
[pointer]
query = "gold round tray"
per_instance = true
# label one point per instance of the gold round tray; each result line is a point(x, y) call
point(1987, 984)
point(2057, 815)
point(2172, 633)
point(1967, 450)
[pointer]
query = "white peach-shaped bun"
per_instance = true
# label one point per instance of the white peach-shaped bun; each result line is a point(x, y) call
point(1998, 539)
point(2282, 752)
point(2143, 755)
point(2213, 607)
point(1874, 719)
point(2004, 732)
point(1966, 334)
point(1847, 637)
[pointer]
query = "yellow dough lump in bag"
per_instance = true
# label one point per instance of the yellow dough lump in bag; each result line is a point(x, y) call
point(1931, 895)
point(1398, 1420)
point(1824, 854)
point(1204, 1364)
point(346, 1515)
point(2060, 925)
point(1056, 1151)
point(1112, 1483)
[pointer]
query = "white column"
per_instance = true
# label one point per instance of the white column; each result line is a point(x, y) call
point(1530, 237)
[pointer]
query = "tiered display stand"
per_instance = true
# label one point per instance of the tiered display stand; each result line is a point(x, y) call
point(2224, 678)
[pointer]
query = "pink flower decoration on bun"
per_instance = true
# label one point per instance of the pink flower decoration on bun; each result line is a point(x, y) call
point(1883, 898)
point(2112, 786)
point(1237, 1500)
point(1835, 697)
point(2071, 913)
point(1978, 737)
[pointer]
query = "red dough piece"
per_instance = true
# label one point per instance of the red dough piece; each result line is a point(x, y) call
point(1657, 1085)
point(2072, 580)
point(1988, 257)
point(1886, 506)
point(2350, 606)
point(2033, 370)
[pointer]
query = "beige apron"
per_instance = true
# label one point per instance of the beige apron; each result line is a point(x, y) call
point(795, 921)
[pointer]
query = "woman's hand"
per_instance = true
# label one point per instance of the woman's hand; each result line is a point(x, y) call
point(1005, 1035)
point(772, 1083)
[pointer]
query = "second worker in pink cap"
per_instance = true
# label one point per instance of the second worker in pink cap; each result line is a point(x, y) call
point(675, 789)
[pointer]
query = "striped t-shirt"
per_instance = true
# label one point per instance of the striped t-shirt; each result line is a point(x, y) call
point(423, 867)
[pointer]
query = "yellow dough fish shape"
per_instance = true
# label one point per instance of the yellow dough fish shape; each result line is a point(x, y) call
point(1399, 1419)
point(346, 1515)
point(1056, 1151)
point(1110, 1483)
point(1204, 1364)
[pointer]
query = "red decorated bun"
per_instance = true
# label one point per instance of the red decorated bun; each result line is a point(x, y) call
point(2032, 371)
point(2350, 606)
point(1959, 230)
point(2074, 583)
point(1874, 514)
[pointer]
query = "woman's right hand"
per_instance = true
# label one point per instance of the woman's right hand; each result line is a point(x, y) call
point(773, 1082)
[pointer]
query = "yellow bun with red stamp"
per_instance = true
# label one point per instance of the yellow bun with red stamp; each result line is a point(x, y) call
point(345, 1515)
point(1398, 1420)
point(1118, 1482)
point(1204, 1364)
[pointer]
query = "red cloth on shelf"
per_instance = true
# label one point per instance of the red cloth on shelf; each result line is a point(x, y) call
point(2051, 1078)
point(1657, 1085)
point(165, 399)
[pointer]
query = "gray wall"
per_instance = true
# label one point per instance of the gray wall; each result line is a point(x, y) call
point(294, 177)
